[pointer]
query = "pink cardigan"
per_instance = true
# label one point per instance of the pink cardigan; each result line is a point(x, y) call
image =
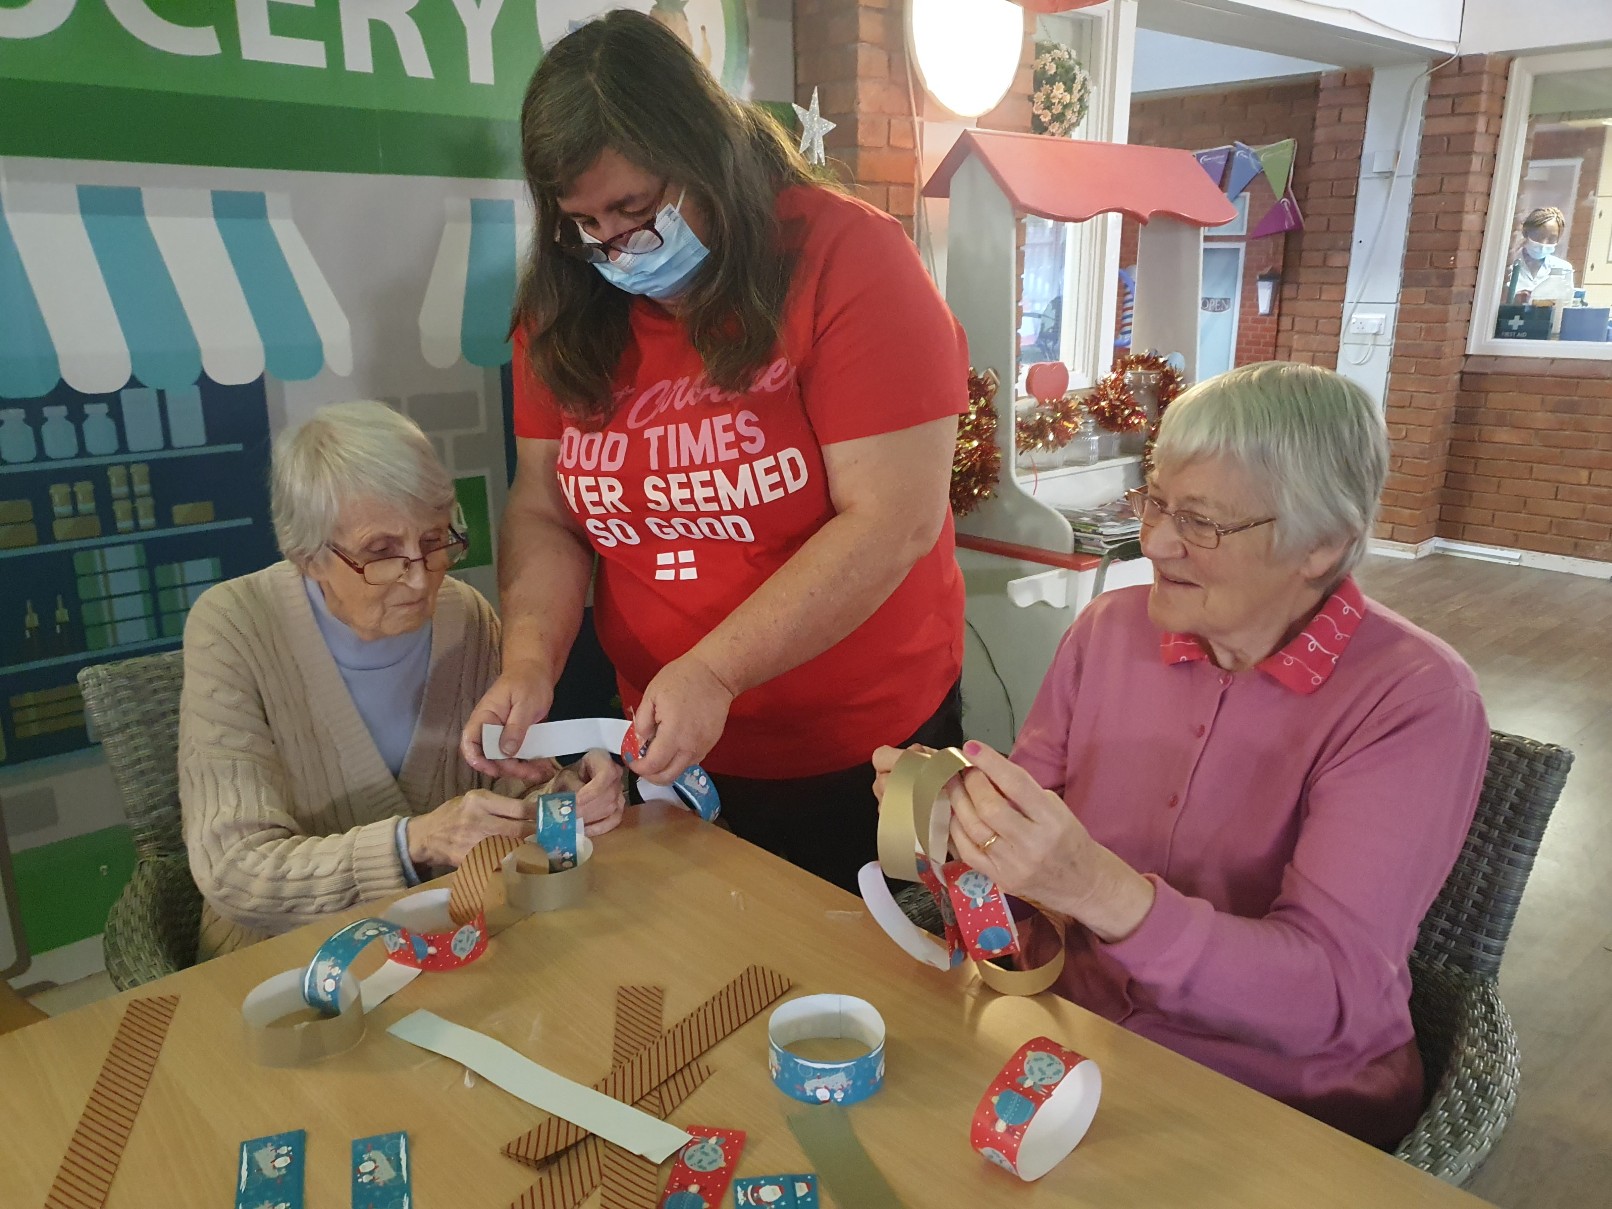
point(1297, 821)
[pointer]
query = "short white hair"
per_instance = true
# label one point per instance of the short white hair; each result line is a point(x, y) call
point(1310, 440)
point(346, 452)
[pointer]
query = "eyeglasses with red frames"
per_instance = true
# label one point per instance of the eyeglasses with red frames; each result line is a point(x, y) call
point(383, 572)
point(1196, 530)
point(640, 239)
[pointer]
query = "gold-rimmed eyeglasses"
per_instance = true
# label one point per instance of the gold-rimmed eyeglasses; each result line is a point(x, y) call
point(1195, 530)
point(382, 572)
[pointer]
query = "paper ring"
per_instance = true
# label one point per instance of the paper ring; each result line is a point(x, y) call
point(813, 1082)
point(534, 892)
point(1037, 1109)
point(308, 1041)
point(1026, 982)
point(912, 940)
point(914, 814)
point(985, 922)
point(691, 788)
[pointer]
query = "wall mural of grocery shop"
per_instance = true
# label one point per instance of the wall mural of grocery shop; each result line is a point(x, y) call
point(214, 218)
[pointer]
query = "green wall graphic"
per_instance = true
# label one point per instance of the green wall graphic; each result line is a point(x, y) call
point(428, 88)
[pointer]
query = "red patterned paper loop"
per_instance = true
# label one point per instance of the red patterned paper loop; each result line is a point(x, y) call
point(1037, 1108)
point(984, 919)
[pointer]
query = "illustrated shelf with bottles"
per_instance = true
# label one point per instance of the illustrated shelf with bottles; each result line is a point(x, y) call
point(116, 513)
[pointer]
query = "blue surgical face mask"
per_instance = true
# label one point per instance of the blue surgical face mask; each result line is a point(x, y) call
point(666, 272)
point(1537, 250)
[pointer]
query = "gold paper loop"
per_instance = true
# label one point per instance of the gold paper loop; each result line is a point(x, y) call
point(915, 813)
point(531, 888)
point(273, 1044)
point(1025, 982)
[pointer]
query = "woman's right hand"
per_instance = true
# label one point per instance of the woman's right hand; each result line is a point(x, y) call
point(520, 697)
point(448, 833)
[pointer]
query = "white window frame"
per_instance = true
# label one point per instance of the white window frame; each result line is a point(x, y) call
point(1508, 170)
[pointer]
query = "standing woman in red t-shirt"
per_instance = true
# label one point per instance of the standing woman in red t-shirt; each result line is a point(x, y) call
point(739, 390)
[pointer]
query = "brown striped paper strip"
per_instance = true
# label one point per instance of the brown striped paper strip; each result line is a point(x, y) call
point(470, 881)
point(738, 1002)
point(96, 1148)
point(630, 1180)
point(568, 1181)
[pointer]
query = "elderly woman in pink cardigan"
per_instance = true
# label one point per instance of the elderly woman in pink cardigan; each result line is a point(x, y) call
point(1244, 785)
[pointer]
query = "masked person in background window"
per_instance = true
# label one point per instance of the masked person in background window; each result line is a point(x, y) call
point(738, 391)
point(1537, 264)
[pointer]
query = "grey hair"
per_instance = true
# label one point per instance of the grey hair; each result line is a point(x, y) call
point(1312, 442)
point(346, 452)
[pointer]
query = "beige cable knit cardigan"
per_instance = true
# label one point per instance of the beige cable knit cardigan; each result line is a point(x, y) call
point(290, 812)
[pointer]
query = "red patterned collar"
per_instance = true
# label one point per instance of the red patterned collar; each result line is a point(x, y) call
point(1304, 664)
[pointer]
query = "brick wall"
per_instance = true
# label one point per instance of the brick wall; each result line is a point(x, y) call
point(1327, 115)
point(1530, 462)
point(1460, 135)
point(855, 53)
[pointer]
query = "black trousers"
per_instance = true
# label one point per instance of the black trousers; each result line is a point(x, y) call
point(827, 824)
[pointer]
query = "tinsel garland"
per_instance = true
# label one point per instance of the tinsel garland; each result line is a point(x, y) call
point(977, 463)
point(1113, 404)
point(1050, 426)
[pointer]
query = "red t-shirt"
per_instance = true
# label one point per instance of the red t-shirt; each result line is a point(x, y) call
point(694, 497)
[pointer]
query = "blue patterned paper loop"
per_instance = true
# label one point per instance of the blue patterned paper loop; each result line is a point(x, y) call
point(321, 983)
point(814, 1016)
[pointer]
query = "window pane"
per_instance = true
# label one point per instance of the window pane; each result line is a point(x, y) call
point(1558, 270)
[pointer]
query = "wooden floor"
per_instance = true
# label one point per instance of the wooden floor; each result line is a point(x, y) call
point(1541, 644)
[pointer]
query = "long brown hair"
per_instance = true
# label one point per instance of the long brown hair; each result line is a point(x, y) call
point(626, 82)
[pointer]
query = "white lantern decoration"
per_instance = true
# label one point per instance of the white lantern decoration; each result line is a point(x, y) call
point(967, 51)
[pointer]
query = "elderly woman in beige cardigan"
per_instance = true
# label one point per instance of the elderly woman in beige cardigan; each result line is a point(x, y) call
point(323, 696)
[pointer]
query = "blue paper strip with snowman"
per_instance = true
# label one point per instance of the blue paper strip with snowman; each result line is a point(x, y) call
point(776, 1191)
point(559, 829)
point(692, 787)
point(381, 1172)
point(270, 1175)
point(814, 1016)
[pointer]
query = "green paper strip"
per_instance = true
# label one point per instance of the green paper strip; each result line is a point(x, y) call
point(846, 1169)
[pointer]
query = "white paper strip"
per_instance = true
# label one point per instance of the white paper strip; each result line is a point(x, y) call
point(566, 738)
point(542, 1088)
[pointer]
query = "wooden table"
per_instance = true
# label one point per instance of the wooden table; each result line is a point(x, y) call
point(686, 906)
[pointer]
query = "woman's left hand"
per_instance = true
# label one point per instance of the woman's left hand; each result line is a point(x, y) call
point(681, 717)
point(600, 788)
point(1041, 852)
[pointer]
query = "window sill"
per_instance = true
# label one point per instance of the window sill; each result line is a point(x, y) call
point(1549, 350)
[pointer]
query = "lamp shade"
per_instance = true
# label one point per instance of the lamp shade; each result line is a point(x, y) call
point(967, 51)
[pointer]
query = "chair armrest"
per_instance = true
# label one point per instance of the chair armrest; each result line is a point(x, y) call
point(152, 929)
point(1469, 1049)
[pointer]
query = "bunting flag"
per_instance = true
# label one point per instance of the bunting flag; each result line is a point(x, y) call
point(1213, 161)
point(1245, 166)
point(1277, 161)
point(1283, 216)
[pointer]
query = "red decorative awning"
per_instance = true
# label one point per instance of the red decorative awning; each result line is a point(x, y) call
point(1068, 180)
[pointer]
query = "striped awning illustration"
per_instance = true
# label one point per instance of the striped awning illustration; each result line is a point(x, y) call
point(466, 311)
point(100, 284)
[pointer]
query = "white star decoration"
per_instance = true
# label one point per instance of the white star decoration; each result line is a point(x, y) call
point(813, 126)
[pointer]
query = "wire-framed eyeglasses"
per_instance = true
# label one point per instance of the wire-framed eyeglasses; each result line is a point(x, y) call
point(1195, 530)
point(383, 572)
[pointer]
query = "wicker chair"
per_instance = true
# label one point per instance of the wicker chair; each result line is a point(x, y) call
point(133, 706)
point(1469, 1048)
point(1468, 1045)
